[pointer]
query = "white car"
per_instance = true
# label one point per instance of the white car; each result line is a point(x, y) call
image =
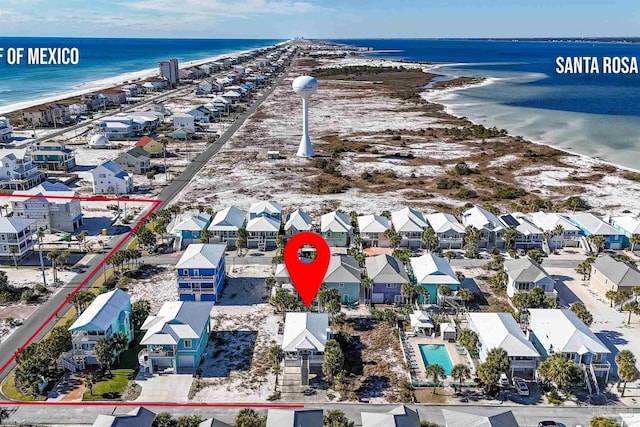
point(522, 388)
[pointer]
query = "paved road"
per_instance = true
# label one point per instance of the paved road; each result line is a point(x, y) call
point(38, 318)
point(527, 416)
point(547, 262)
point(229, 260)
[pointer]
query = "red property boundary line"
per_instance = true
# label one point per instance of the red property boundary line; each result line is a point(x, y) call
point(156, 203)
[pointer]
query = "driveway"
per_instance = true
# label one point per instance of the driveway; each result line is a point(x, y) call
point(164, 388)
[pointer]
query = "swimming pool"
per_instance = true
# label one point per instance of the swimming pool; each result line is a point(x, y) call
point(436, 354)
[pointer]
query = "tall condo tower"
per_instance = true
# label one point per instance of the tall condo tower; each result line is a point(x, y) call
point(305, 86)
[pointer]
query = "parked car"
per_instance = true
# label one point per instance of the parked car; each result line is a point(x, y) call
point(550, 424)
point(522, 388)
point(504, 380)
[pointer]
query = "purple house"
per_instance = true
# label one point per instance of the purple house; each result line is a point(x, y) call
point(388, 275)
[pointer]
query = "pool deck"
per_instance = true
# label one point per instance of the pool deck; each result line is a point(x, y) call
point(451, 350)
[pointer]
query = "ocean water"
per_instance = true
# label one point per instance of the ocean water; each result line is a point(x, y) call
point(593, 114)
point(100, 59)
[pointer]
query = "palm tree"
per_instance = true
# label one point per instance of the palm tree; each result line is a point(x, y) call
point(600, 242)
point(610, 295)
point(558, 232)
point(465, 295)
point(40, 235)
point(89, 382)
point(436, 373)
point(430, 239)
point(275, 357)
point(627, 372)
point(449, 255)
point(509, 237)
point(13, 253)
point(52, 256)
point(367, 284)
point(460, 373)
point(634, 240)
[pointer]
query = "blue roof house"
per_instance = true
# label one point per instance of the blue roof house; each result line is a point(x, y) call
point(201, 272)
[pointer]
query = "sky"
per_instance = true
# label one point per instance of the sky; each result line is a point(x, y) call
point(281, 19)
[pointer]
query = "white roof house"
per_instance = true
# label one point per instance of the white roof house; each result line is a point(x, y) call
point(408, 220)
point(500, 330)
point(469, 419)
point(138, 417)
point(482, 219)
point(561, 331)
point(263, 224)
point(295, 418)
point(228, 219)
point(400, 416)
point(201, 255)
point(521, 223)
point(298, 220)
point(627, 223)
point(384, 268)
point(335, 222)
point(444, 222)
point(268, 208)
point(342, 269)
point(433, 269)
point(373, 224)
point(60, 191)
point(549, 221)
point(102, 312)
point(420, 320)
point(305, 331)
point(176, 320)
point(525, 274)
point(192, 222)
point(593, 224)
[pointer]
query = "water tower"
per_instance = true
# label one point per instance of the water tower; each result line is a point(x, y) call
point(305, 86)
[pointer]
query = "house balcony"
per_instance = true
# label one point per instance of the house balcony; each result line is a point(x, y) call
point(523, 364)
point(159, 352)
point(601, 367)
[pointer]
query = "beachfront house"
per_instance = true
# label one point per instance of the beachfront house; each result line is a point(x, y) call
point(115, 96)
point(78, 109)
point(297, 222)
point(500, 330)
point(109, 314)
point(410, 225)
point(400, 416)
point(388, 274)
point(449, 231)
point(176, 338)
point(16, 238)
point(303, 340)
point(135, 160)
point(295, 418)
point(190, 227)
point(335, 228)
point(271, 210)
point(629, 226)
point(225, 225)
point(152, 146)
point(526, 274)
point(607, 274)
point(184, 121)
point(564, 232)
point(591, 225)
point(110, 178)
point(560, 331)
point(137, 417)
point(431, 271)
point(53, 156)
point(490, 227)
point(344, 275)
point(372, 229)
point(6, 130)
point(60, 212)
point(201, 272)
point(116, 127)
point(17, 171)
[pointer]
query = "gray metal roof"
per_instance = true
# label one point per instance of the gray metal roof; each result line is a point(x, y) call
point(400, 416)
point(620, 273)
point(295, 418)
point(176, 320)
point(202, 255)
point(139, 417)
point(15, 225)
point(386, 269)
point(525, 270)
point(343, 269)
point(469, 419)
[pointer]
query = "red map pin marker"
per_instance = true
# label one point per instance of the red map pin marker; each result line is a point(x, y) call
point(307, 276)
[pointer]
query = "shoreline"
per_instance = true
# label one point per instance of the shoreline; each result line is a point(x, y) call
point(109, 82)
point(430, 94)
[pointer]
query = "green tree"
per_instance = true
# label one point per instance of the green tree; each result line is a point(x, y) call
point(205, 236)
point(436, 373)
point(89, 382)
point(465, 295)
point(429, 239)
point(631, 307)
point(449, 255)
point(627, 372)
point(469, 340)
point(581, 311)
point(103, 350)
point(509, 237)
point(489, 375)
point(460, 373)
point(499, 280)
point(498, 358)
point(14, 252)
point(333, 361)
point(535, 255)
point(560, 371)
point(248, 417)
point(444, 290)
point(634, 240)
point(275, 357)
point(611, 296)
point(81, 300)
point(336, 418)
point(189, 421)
point(4, 414)
point(471, 242)
point(283, 302)
point(164, 419)
point(139, 312)
point(241, 241)
point(603, 421)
